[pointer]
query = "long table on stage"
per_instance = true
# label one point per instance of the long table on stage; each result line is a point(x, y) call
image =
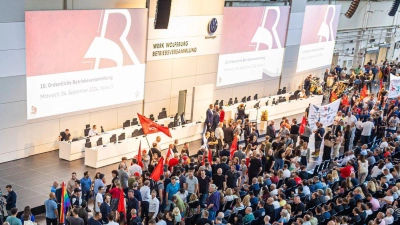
point(111, 153)
point(76, 149)
point(274, 111)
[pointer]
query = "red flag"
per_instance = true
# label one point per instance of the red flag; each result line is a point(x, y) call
point(333, 97)
point(364, 92)
point(158, 171)
point(139, 156)
point(150, 127)
point(121, 202)
point(233, 147)
point(303, 125)
point(209, 155)
point(345, 100)
point(170, 154)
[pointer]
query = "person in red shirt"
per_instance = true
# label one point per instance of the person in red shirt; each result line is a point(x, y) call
point(297, 179)
point(115, 194)
point(221, 114)
point(174, 161)
point(346, 171)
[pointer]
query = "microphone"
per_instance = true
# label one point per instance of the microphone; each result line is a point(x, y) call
point(102, 130)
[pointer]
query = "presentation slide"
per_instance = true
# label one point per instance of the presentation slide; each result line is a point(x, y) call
point(252, 44)
point(318, 37)
point(83, 59)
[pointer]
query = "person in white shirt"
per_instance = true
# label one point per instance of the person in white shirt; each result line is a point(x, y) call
point(387, 174)
point(384, 143)
point(274, 191)
point(134, 168)
point(219, 134)
point(366, 132)
point(338, 117)
point(286, 171)
point(389, 216)
point(144, 205)
point(154, 204)
point(99, 199)
point(349, 119)
point(93, 131)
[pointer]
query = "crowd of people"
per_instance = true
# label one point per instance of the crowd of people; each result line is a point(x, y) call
point(238, 177)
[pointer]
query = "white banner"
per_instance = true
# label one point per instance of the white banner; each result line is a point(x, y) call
point(394, 89)
point(323, 114)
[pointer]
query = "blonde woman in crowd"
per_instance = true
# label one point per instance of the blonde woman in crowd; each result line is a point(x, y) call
point(371, 187)
point(246, 201)
point(229, 196)
point(335, 176)
point(328, 194)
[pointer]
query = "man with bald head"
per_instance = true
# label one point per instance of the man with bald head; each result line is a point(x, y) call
point(51, 210)
point(219, 180)
point(249, 215)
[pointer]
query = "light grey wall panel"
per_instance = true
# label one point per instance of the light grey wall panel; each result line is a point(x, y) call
point(12, 11)
point(293, 37)
point(13, 139)
point(12, 35)
point(12, 114)
point(12, 63)
point(289, 69)
point(298, 6)
point(291, 53)
point(44, 5)
point(296, 20)
point(12, 89)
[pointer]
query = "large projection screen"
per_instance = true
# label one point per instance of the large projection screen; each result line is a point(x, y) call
point(84, 59)
point(318, 37)
point(252, 44)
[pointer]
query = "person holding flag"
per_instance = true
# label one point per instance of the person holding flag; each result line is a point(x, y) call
point(51, 210)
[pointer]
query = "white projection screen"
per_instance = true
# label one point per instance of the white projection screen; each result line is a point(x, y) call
point(84, 59)
point(252, 44)
point(318, 37)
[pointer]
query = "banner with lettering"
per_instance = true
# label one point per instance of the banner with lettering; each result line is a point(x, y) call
point(323, 114)
point(394, 88)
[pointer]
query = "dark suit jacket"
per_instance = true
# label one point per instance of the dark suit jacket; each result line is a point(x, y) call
point(215, 119)
point(228, 134)
point(270, 132)
point(209, 116)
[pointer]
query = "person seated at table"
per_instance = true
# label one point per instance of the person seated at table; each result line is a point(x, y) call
point(93, 131)
point(65, 136)
point(302, 94)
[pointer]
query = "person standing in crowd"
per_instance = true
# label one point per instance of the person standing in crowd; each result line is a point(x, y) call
point(73, 217)
point(319, 134)
point(213, 202)
point(86, 184)
point(12, 217)
point(209, 119)
point(11, 199)
point(99, 199)
point(271, 132)
point(215, 119)
point(51, 210)
point(294, 131)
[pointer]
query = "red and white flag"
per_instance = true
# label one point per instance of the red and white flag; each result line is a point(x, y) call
point(150, 127)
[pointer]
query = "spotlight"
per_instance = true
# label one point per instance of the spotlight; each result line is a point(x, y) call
point(352, 8)
point(394, 8)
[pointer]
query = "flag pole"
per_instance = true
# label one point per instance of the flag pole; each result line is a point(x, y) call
point(147, 141)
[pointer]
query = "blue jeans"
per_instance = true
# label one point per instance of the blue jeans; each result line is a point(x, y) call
point(202, 200)
point(211, 214)
point(278, 164)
